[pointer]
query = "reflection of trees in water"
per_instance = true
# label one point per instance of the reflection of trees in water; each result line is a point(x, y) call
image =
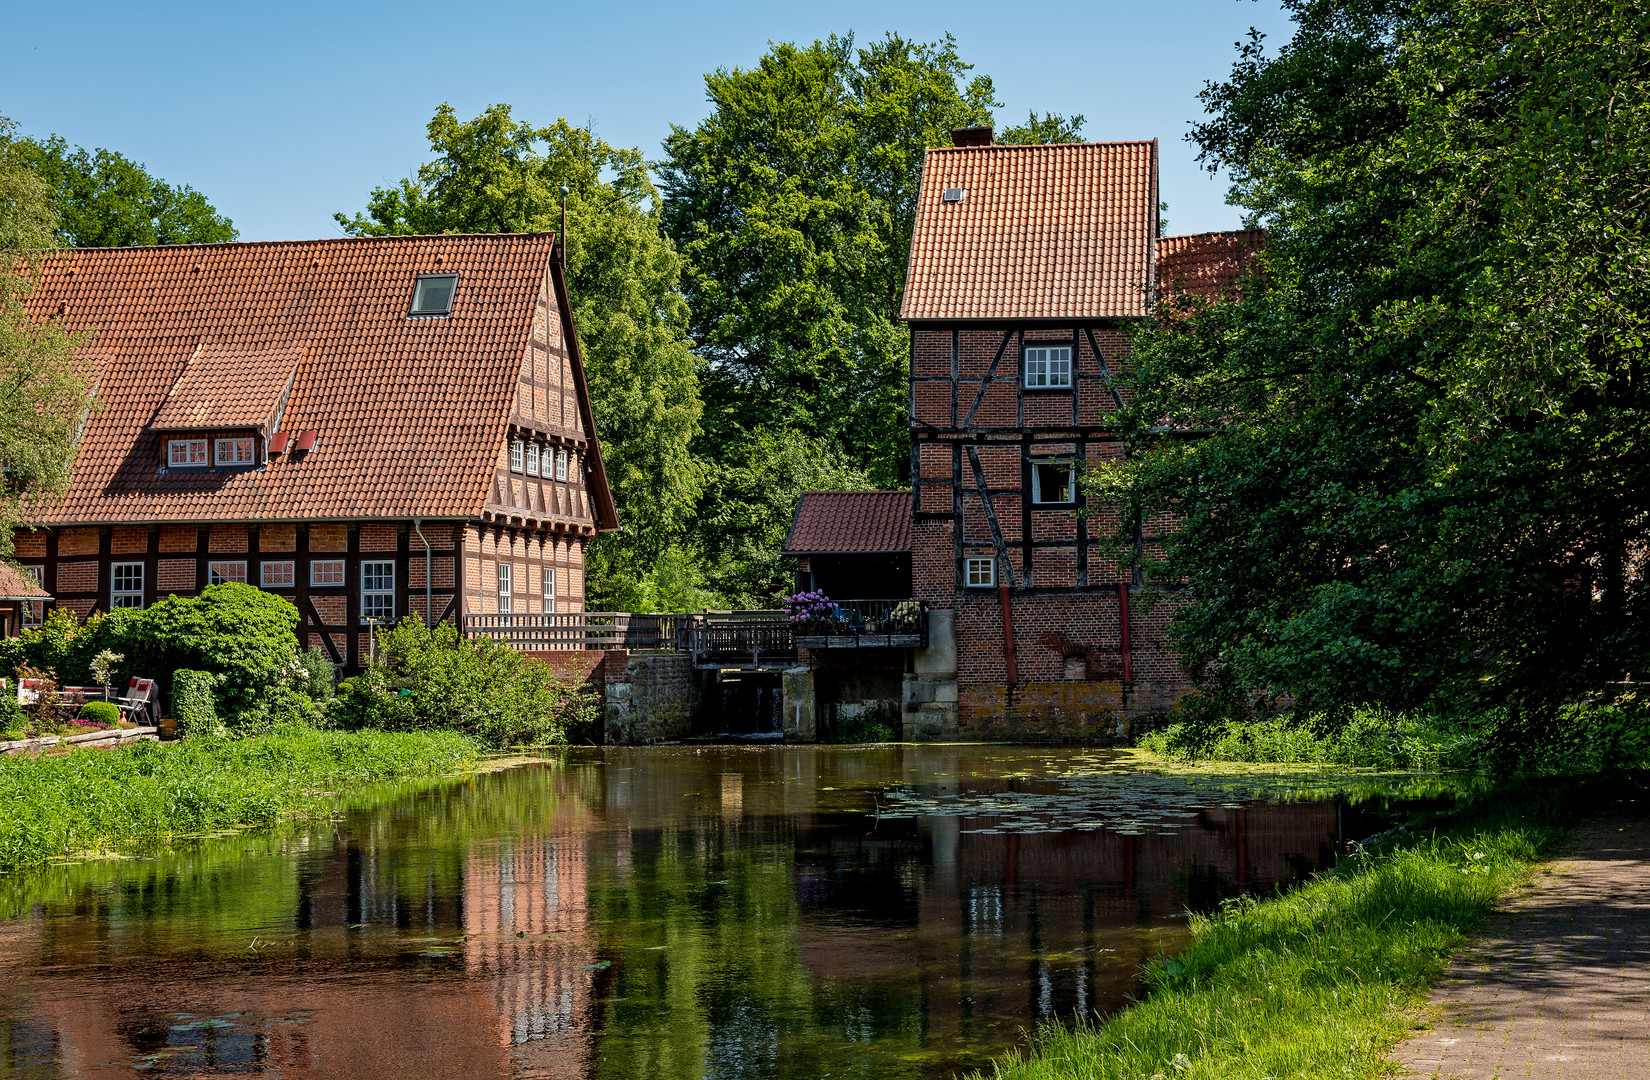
point(716, 913)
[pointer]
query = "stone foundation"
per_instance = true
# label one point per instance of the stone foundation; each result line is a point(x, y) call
point(652, 700)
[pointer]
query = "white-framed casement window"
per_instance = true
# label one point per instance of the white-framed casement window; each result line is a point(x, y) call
point(326, 572)
point(1048, 366)
point(561, 464)
point(378, 591)
point(278, 575)
point(34, 611)
point(504, 589)
point(550, 588)
point(980, 571)
point(517, 450)
point(235, 452)
point(1053, 482)
point(126, 585)
point(222, 573)
point(186, 453)
point(532, 459)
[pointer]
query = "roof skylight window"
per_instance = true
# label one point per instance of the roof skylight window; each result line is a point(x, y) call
point(433, 295)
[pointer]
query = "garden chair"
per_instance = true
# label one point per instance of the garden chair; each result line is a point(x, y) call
point(141, 703)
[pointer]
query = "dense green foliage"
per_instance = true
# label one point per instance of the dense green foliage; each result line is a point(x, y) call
point(1321, 982)
point(45, 387)
point(793, 202)
point(104, 199)
point(148, 794)
point(1424, 479)
point(497, 174)
point(100, 712)
point(239, 633)
point(428, 678)
point(1581, 737)
point(194, 705)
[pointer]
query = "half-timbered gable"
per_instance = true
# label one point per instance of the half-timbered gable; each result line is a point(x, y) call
point(1028, 267)
point(348, 423)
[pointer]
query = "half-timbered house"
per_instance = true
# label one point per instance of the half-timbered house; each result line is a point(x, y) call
point(371, 428)
point(1029, 265)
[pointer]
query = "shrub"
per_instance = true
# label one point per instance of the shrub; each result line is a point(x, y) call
point(100, 712)
point(244, 634)
point(193, 701)
point(436, 678)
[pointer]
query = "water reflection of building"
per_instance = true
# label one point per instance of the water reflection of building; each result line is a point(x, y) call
point(531, 941)
point(359, 952)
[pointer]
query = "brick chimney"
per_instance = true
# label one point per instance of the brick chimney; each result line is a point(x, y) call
point(972, 136)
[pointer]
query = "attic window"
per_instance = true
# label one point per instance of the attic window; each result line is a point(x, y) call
point(433, 295)
point(954, 194)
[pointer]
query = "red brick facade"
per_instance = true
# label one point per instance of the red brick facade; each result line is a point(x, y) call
point(979, 434)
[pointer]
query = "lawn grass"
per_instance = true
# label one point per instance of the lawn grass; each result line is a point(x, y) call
point(1322, 981)
point(143, 796)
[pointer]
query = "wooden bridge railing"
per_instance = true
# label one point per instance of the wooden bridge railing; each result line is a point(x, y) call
point(584, 630)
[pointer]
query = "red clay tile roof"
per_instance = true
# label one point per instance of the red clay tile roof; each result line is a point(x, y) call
point(850, 521)
point(1205, 264)
point(411, 411)
point(15, 584)
point(229, 388)
point(1042, 232)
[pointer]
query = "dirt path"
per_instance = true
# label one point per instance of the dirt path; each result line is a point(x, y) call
point(1560, 986)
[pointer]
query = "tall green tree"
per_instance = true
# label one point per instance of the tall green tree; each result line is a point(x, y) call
point(498, 174)
point(793, 202)
point(45, 386)
point(1426, 476)
point(106, 200)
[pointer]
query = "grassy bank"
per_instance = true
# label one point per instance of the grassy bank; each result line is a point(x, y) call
point(1323, 981)
point(134, 799)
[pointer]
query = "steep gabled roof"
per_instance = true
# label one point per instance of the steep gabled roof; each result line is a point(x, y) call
point(1205, 265)
point(411, 411)
point(847, 522)
point(1065, 231)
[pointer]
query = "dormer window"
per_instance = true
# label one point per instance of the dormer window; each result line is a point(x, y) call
point(236, 453)
point(433, 294)
point(186, 453)
point(516, 455)
point(532, 459)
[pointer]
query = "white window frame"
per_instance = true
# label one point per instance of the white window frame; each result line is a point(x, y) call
point(1037, 498)
point(121, 592)
point(216, 576)
point(1046, 367)
point(506, 588)
point(972, 567)
point(182, 454)
point(532, 459)
point(378, 587)
point(32, 606)
point(233, 459)
point(549, 587)
point(316, 564)
point(561, 465)
point(516, 449)
point(291, 574)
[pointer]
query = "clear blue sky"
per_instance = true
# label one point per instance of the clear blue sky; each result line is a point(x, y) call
point(284, 113)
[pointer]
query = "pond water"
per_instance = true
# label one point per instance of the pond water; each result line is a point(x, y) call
point(726, 912)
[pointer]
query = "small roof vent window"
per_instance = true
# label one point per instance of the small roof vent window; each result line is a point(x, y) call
point(954, 194)
point(433, 295)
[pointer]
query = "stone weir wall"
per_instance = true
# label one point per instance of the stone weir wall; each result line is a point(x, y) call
point(647, 697)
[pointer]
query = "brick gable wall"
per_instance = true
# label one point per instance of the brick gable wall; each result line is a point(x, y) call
point(978, 434)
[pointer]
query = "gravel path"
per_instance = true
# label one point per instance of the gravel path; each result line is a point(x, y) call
point(1560, 986)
